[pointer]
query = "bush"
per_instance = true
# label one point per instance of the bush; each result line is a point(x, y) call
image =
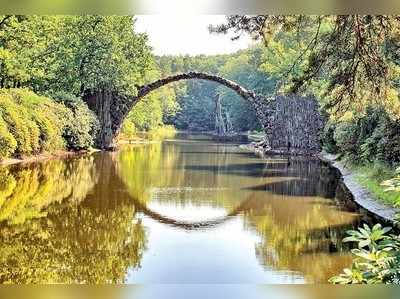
point(81, 125)
point(394, 183)
point(20, 124)
point(328, 138)
point(388, 146)
point(378, 257)
point(368, 138)
point(8, 144)
point(345, 136)
point(31, 124)
point(49, 117)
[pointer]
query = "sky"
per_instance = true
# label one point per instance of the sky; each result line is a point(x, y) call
point(187, 34)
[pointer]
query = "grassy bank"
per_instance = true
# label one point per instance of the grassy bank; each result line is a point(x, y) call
point(371, 177)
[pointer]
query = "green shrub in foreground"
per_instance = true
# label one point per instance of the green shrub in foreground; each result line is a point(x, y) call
point(378, 257)
point(49, 117)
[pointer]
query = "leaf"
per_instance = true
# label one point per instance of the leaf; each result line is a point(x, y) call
point(386, 230)
point(364, 254)
point(364, 243)
point(367, 228)
point(350, 239)
point(365, 233)
point(375, 227)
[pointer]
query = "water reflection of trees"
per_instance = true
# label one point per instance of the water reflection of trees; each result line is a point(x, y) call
point(84, 237)
point(75, 221)
point(300, 226)
point(157, 172)
point(25, 192)
point(290, 204)
point(141, 167)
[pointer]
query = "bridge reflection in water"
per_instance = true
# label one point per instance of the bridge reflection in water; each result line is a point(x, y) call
point(185, 210)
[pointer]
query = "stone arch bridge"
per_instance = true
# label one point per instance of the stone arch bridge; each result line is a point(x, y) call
point(292, 124)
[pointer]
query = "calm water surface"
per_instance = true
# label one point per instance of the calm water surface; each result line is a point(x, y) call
point(185, 210)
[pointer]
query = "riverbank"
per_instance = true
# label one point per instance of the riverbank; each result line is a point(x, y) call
point(46, 156)
point(361, 195)
point(67, 154)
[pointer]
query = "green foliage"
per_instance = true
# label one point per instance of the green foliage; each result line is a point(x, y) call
point(197, 99)
point(25, 48)
point(72, 53)
point(8, 144)
point(66, 57)
point(21, 124)
point(394, 183)
point(371, 177)
point(81, 124)
point(353, 57)
point(328, 138)
point(368, 137)
point(94, 52)
point(345, 137)
point(147, 114)
point(47, 115)
point(377, 257)
point(245, 69)
point(371, 143)
point(128, 129)
point(32, 124)
point(198, 107)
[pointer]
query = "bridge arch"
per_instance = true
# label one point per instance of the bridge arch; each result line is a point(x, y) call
point(192, 225)
point(291, 124)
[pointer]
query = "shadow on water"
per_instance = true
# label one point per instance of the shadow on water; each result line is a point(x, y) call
point(248, 169)
point(241, 154)
point(298, 188)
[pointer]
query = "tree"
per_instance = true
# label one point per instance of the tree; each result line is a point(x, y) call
point(355, 54)
point(25, 49)
point(97, 52)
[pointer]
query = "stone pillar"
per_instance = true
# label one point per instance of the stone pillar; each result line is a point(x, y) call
point(265, 112)
point(101, 103)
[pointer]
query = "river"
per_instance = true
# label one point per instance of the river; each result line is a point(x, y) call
point(184, 210)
